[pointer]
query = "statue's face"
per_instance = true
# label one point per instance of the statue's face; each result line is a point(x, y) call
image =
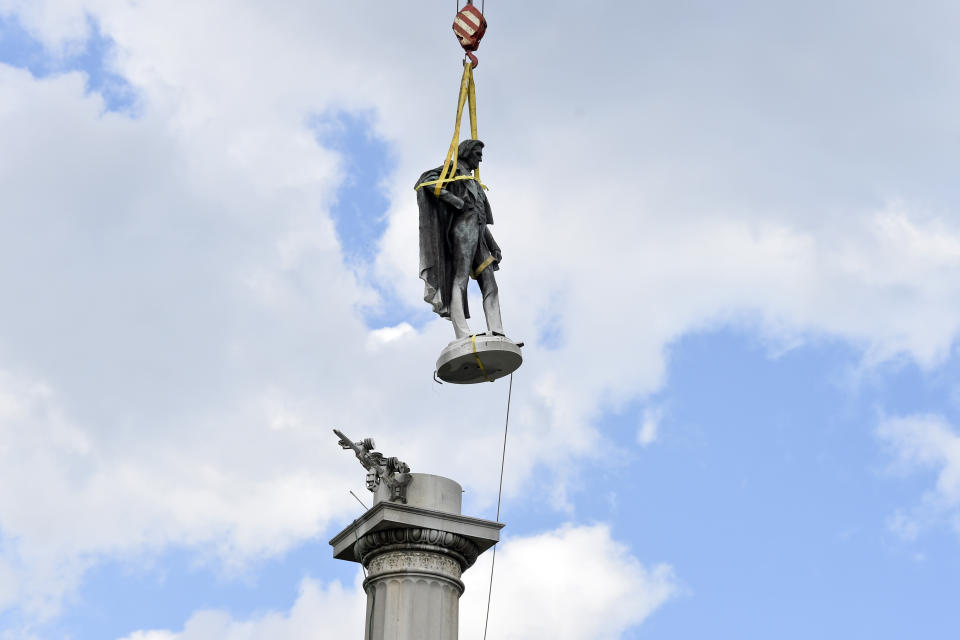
point(475, 157)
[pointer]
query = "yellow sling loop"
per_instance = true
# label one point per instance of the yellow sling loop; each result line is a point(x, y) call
point(430, 183)
point(468, 94)
point(473, 339)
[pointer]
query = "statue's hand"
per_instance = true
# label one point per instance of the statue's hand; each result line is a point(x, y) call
point(492, 245)
point(452, 200)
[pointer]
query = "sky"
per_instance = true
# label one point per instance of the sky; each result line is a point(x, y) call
point(731, 239)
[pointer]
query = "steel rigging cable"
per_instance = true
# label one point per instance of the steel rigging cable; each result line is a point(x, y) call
point(503, 459)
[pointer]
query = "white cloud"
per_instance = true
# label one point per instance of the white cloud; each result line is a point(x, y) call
point(384, 336)
point(179, 331)
point(575, 583)
point(9, 584)
point(925, 442)
point(649, 426)
point(538, 592)
point(320, 611)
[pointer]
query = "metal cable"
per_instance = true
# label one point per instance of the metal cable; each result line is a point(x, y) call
point(365, 507)
point(356, 537)
point(503, 459)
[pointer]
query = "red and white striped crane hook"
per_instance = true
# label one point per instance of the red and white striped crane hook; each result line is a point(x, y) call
point(469, 26)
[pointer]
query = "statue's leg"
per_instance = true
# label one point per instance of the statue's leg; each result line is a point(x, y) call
point(460, 327)
point(491, 301)
point(464, 240)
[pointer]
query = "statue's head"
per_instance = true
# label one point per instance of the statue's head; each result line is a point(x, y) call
point(470, 154)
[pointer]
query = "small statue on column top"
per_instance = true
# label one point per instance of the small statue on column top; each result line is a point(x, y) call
point(391, 471)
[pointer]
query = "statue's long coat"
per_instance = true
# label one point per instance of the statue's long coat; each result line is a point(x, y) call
point(436, 255)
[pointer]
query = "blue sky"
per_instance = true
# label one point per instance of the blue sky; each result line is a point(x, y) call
point(732, 251)
point(19, 48)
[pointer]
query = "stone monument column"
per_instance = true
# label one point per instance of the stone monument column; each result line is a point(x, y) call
point(414, 553)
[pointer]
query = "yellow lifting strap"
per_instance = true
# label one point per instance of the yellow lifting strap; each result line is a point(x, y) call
point(468, 94)
point(483, 370)
point(430, 183)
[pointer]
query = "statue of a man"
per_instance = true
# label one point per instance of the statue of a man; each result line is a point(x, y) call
point(456, 243)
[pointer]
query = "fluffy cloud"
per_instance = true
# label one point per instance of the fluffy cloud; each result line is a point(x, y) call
point(925, 442)
point(179, 329)
point(575, 583)
point(536, 594)
point(320, 612)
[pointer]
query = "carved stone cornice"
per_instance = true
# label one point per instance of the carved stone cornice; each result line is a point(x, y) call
point(417, 539)
point(387, 515)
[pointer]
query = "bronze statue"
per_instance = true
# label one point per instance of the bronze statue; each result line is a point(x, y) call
point(456, 243)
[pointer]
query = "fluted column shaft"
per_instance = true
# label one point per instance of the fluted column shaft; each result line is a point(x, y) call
point(413, 582)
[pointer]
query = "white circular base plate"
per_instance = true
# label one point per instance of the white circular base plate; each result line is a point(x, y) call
point(458, 362)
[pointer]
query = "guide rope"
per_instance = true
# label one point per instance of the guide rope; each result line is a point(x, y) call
point(503, 459)
point(356, 537)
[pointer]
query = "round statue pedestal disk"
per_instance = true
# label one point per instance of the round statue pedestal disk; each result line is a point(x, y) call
point(460, 362)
